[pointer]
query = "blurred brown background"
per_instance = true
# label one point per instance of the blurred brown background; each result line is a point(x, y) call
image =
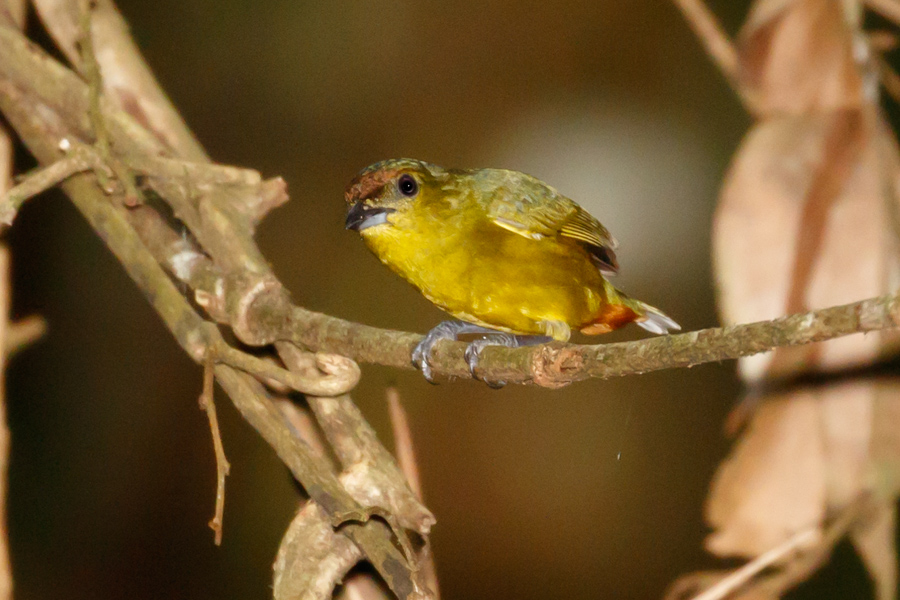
point(595, 491)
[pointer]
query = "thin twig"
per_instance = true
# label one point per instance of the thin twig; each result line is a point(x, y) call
point(91, 69)
point(406, 458)
point(6, 580)
point(806, 563)
point(91, 72)
point(207, 403)
point(79, 160)
point(341, 376)
point(741, 576)
point(23, 333)
point(7, 158)
point(714, 39)
point(890, 80)
point(889, 9)
point(403, 444)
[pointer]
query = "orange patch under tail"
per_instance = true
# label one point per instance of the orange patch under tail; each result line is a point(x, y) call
point(611, 317)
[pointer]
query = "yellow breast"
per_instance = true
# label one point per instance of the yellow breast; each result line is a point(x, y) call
point(484, 274)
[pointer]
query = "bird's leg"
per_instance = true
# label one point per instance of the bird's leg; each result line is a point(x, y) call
point(448, 330)
point(499, 338)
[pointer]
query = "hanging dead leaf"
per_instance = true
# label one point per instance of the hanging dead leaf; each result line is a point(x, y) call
point(774, 484)
point(805, 221)
point(873, 539)
point(807, 454)
point(797, 56)
point(808, 218)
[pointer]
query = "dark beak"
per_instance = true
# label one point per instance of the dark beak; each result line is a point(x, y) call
point(361, 216)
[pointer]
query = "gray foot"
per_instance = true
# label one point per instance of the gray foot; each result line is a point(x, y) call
point(448, 330)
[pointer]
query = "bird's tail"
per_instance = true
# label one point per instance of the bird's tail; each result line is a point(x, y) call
point(621, 310)
point(654, 320)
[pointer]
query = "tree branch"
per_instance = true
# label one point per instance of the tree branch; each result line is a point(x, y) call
point(710, 33)
point(889, 9)
point(52, 107)
point(556, 365)
point(6, 577)
point(255, 304)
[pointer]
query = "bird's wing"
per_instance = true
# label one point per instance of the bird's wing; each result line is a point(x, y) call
point(529, 207)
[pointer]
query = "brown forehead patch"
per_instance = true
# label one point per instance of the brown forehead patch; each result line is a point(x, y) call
point(369, 183)
point(371, 180)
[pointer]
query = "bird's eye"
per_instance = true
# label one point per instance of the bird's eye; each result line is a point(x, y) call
point(408, 186)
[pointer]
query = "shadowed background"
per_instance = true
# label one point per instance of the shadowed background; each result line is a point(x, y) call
point(595, 491)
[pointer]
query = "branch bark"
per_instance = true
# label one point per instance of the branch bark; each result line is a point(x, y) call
point(556, 365)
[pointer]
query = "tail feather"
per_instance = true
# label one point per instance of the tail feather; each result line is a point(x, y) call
point(655, 320)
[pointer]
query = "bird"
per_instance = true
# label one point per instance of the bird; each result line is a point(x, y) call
point(505, 254)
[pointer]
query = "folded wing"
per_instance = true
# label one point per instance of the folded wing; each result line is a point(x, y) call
point(529, 207)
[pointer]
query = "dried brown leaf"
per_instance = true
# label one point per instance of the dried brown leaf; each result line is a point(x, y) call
point(806, 220)
point(774, 484)
point(797, 56)
point(807, 454)
point(873, 539)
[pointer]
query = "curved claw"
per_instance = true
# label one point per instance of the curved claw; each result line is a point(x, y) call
point(473, 353)
point(448, 330)
point(421, 356)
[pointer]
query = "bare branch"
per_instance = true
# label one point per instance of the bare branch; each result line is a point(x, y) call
point(258, 308)
point(23, 333)
point(312, 558)
point(889, 9)
point(556, 365)
point(370, 474)
point(403, 444)
point(80, 159)
point(714, 39)
point(191, 331)
point(741, 576)
point(6, 580)
point(406, 457)
point(129, 81)
point(240, 286)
